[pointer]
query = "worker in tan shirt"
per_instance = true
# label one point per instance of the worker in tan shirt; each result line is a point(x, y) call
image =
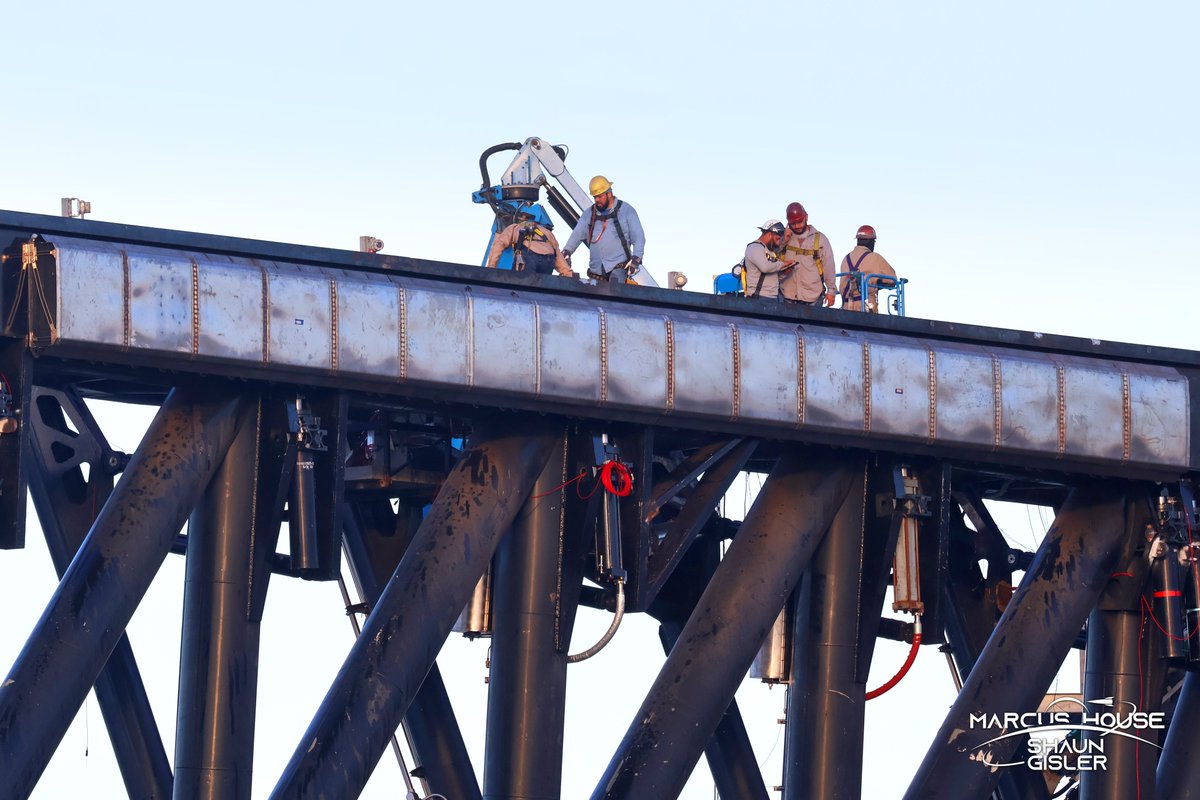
point(534, 247)
point(811, 282)
point(863, 259)
point(763, 266)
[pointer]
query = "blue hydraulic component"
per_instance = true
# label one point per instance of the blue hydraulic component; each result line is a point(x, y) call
point(730, 282)
point(507, 212)
point(893, 300)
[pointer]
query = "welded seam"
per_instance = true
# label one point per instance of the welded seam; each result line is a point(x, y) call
point(126, 312)
point(997, 417)
point(402, 344)
point(266, 316)
point(932, 395)
point(195, 308)
point(670, 364)
point(737, 370)
point(603, 356)
point(1126, 418)
point(470, 341)
point(1062, 410)
point(333, 324)
point(866, 367)
point(801, 388)
point(537, 349)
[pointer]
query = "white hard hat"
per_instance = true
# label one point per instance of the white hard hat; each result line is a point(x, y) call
point(771, 226)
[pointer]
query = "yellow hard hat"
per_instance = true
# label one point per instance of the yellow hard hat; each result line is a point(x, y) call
point(599, 186)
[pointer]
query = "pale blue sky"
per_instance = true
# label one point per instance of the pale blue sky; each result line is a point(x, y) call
point(1027, 165)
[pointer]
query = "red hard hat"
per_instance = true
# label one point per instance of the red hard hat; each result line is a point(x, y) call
point(796, 214)
point(865, 232)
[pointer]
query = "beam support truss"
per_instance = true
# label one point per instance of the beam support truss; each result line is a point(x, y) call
point(108, 577)
point(696, 684)
point(1032, 638)
point(401, 639)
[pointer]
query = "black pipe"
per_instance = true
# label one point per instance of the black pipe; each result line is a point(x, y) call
point(1179, 761)
point(108, 577)
point(747, 591)
point(1121, 665)
point(729, 753)
point(65, 517)
point(826, 702)
point(218, 661)
point(414, 615)
point(527, 689)
point(1029, 643)
point(430, 723)
point(491, 151)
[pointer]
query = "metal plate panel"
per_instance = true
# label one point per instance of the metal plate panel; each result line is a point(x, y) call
point(1094, 412)
point(1160, 422)
point(769, 372)
point(966, 397)
point(833, 367)
point(637, 360)
point(703, 368)
point(570, 352)
point(231, 310)
point(900, 390)
point(436, 332)
point(368, 328)
point(1028, 405)
point(300, 319)
point(505, 344)
point(160, 301)
point(91, 294)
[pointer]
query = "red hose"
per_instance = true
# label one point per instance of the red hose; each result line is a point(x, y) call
point(908, 662)
point(626, 480)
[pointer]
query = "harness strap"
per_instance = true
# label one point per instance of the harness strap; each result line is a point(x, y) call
point(620, 231)
point(853, 267)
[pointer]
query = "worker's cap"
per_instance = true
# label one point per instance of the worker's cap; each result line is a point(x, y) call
point(771, 226)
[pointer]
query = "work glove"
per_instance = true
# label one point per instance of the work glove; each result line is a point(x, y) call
point(635, 264)
point(566, 254)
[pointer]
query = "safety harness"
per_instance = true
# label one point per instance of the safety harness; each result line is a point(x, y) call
point(852, 266)
point(816, 251)
point(614, 216)
point(762, 276)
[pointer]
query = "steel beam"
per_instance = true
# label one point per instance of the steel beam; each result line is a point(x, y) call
point(441, 756)
point(702, 673)
point(826, 702)
point(1031, 640)
point(111, 572)
point(218, 663)
point(402, 637)
point(66, 505)
point(528, 683)
point(1179, 762)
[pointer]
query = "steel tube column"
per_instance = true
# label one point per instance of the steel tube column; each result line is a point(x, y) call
point(1119, 666)
point(528, 685)
point(1030, 641)
point(1179, 762)
point(731, 620)
point(108, 577)
point(826, 703)
point(218, 664)
point(414, 615)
